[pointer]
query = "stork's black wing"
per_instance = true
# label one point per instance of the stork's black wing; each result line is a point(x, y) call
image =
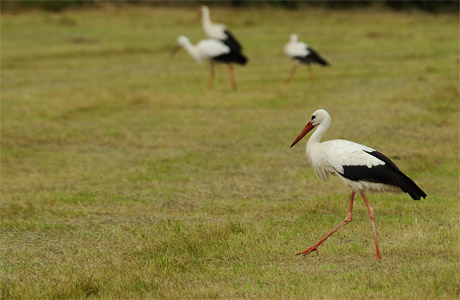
point(232, 57)
point(388, 173)
point(232, 42)
point(313, 57)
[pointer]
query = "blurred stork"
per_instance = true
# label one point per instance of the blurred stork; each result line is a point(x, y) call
point(214, 51)
point(218, 31)
point(361, 169)
point(299, 53)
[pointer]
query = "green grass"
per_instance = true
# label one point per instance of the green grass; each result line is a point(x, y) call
point(123, 177)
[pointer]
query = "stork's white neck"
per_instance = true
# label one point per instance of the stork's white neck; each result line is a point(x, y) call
point(206, 19)
point(192, 50)
point(317, 135)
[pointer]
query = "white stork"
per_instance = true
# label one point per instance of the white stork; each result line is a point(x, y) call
point(361, 169)
point(214, 51)
point(299, 53)
point(218, 31)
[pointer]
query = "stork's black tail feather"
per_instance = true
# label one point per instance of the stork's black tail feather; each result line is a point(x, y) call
point(387, 173)
point(232, 42)
point(408, 185)
point(316, 58)
point(400, 179)
point(241, 59)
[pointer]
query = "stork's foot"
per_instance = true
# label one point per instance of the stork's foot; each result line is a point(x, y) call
point(309, 250)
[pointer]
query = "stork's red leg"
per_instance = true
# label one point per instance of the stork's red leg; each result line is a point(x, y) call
point(291, 75)
point(371, 215)
point(211, 78)
point(232, 78)
point(344, 222)
point(312, 74)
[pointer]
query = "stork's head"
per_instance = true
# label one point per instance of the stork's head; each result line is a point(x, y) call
point(294, 38)
point(181, 42)
point(204, 10)
point(318, 117)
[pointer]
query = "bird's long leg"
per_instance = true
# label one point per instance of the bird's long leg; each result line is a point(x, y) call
point(344, 222)
point(211, 77)
point(371, 215)
point(232, 78)
point(291, 75)
point(312, 74)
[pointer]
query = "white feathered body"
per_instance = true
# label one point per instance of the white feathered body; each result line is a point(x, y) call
point(330, 157)
point(215, 31)
point(212, 30)
point(211, 48)
point(205, 49)
point(300, 52)
point(296, 49)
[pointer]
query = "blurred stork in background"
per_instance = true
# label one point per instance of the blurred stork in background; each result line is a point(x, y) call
point(218, 31)
point(214, 51)
point(299, 53)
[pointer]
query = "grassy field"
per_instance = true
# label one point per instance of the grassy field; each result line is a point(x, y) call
point(123, 177)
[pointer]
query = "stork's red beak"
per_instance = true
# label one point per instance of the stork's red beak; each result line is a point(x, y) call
point(174, 50)
point(305, 130)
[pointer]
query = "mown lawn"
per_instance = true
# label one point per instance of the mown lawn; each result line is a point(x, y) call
point(123, 177)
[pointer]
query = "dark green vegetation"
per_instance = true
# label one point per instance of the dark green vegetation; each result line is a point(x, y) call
point(123, 177)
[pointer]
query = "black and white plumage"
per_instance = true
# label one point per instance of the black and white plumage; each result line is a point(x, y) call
point(361, 168)
point(387, 174)
point(299, 53)
point(213, 51)
point(218, 31)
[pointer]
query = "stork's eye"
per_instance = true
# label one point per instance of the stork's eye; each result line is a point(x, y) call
point(313, 117)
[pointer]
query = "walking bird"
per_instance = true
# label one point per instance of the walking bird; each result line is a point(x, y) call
point(299, 53)
point(214, 51)
point(361, 168)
